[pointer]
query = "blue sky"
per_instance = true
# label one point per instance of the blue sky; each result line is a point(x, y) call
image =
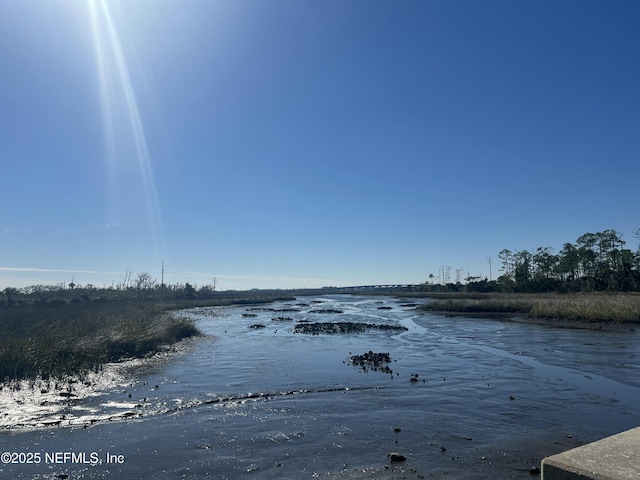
point(290, 143)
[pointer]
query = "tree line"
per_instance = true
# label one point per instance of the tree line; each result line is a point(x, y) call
point(594, 262)
point(133, 286)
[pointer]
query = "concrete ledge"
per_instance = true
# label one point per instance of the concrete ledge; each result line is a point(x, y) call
point(612, 458)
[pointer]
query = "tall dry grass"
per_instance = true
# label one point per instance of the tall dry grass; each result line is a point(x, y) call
point(587, 307)
point(62, 340)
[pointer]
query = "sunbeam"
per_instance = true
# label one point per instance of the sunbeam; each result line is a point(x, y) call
point(116, 92)
point(105, 108)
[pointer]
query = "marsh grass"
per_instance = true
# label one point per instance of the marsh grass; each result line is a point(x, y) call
point(62, 340)
point(58, 340)
point(592, 307)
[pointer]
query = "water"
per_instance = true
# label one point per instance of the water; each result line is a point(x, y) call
point(492, 398)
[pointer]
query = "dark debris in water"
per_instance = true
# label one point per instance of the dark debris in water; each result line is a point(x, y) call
point(318, 328)
point(372, 361)
point(267, 309)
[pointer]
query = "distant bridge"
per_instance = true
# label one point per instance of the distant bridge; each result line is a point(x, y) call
point(361, 288)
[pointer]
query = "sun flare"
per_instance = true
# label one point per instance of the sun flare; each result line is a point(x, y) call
point(123, 126)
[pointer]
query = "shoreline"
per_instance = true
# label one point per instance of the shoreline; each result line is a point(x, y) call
point(61, 341)
point(38, 402)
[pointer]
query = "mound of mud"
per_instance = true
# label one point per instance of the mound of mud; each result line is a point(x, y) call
point(342, 327)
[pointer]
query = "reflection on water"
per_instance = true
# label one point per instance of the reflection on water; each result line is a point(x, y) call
point(492, 397)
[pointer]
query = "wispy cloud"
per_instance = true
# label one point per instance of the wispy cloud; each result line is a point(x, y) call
point(108, 226)
point(51, 270)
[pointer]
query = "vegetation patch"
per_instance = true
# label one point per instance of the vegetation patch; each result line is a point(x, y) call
point(46, 341)
point(593, 307)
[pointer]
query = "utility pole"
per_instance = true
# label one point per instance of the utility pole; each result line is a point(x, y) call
point(162, 282)
point(490, 262)
point(215, 280)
